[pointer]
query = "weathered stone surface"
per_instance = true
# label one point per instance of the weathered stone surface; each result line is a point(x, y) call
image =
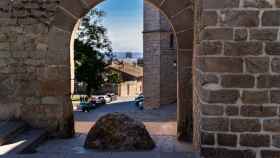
point(276, 141)
point(215, 124)
point(272, 48)
point(217, 34)
point(258, 111)
point(275, 65)
point(232, 110)
point(119, 132)
point(263, 34)
point(220, 96)
point(207, 139)
point(255, 97)
point(240, 18)
point(220, 4)
point(257, 4)
point(220, 64)
point(257, 64)
point(269, 81)
point(222, 153)
point(227, 140)
point(237, 81)
point(271, 125)
point(212, 110)
point(240, 34)
point(243, 48)
point(210, 18)
point(275, 96)
point(245, 125)
point(270, 153)
point(254, 140)
point(271, 18)
point(211, 48)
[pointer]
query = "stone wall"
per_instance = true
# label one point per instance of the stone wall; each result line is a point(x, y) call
point(35, 75)
point(160, 77)
point(237, 72)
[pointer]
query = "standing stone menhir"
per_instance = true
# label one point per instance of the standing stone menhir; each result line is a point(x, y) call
point(119, 132)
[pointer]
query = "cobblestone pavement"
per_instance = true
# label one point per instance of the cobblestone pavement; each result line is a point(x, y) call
point(160, 123)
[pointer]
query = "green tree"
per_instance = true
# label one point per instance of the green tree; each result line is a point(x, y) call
point(92, 47)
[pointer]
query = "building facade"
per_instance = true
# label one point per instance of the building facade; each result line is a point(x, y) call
point(160, 71)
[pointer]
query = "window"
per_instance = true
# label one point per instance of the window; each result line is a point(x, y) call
point(171, 44)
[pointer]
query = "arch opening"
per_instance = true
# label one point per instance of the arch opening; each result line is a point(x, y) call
point(52, 85)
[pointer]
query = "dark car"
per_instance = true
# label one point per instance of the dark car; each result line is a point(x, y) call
point(87, 106)
point(139, 100)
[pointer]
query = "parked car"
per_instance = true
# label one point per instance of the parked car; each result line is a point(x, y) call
point(139, 101)
point(108, 99)
point(86, 106)
point(112, 96)
point(100, 100)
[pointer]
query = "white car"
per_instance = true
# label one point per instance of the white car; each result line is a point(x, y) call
point(103, 99)
point(107, 98)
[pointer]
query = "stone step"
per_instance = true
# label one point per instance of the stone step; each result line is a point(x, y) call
point(9, 130)
point(28, 141)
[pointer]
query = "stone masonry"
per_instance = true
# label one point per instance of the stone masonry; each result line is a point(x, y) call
point(237, 78)
point(160, 73)
point(35, 57)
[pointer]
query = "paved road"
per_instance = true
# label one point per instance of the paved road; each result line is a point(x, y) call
point(160, 123)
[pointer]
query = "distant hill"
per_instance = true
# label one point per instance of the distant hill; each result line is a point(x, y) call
point(128, 55)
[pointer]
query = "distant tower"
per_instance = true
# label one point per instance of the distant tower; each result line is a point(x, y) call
point(160, 72)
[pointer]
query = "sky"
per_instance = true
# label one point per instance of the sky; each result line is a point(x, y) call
point(124, 23)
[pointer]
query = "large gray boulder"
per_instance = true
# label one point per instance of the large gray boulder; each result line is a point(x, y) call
point(119, 132)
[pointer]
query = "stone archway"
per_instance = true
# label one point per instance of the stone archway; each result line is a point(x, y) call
point(180, 15)
point(38, 66)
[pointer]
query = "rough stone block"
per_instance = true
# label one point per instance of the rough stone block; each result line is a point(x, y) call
point(272, 48)
point(211, 48)
point(271, 125)
point(220, 4)
point(275, 96)
point(217, 34)
point(227, 140)
point(245, 125)
point(271, 18)
point(215, 124)
point(276, 141)
point(270, 154)
point(207, 138)
point(220, 96)
point(240, 34)
point(258, 111)
point(258, 4)
point(220, 64)
point(212, 110)
point(255, 97)
point(257, 64)
point(232, 110)
point(263, 34)
point(226, 153)
point(243, 48)
point(237, 81)
point(275, 65)
point(240, 18)
point(268, 81)
point(254, 140)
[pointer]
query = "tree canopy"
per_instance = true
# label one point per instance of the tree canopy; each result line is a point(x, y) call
point(92, 47)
